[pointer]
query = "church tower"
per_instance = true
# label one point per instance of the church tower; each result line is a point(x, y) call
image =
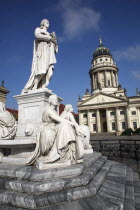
point(103, 72)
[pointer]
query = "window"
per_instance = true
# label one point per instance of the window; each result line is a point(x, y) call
point(108, 82)
point(112, 113)
point(133, 112)
point(135, 125)
point(94, 127)
point(123, 126)
point(94, 115)
point(106, 59)
point(104, 115)
point(113, 126)
point(122, 112)
point(85, 115)
point(100, 59)
point(95, 61)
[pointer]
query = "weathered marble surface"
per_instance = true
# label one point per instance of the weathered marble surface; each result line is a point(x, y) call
point(96, 183)
point(30, 108)
point(32, 173)
point(129, 202)
point(57, 184)
point(7, 123)
point(36, 201)
point(45, 48)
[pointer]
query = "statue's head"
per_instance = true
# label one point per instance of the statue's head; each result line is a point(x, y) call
point(53, 100)
point(68, 107)
point(45, 23)
point(2, 106)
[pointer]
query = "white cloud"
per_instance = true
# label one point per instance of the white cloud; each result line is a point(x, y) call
point(77, 18)
point(131, 53)
point(136, 74)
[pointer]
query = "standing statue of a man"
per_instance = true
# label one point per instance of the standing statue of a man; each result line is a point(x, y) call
point(45, 48)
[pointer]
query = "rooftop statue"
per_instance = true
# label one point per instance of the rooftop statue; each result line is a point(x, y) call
point(7, 123)
point(57, 139)
point(45, 48)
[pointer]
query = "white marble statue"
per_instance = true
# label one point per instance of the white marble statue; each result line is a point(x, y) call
point(81, 130)
point(7, 123)
point(57, 140)
point(45, 48)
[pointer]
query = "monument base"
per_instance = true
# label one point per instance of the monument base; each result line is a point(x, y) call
point(42, 166)
point(94, 184)
point(16, 151)
point(30, 109)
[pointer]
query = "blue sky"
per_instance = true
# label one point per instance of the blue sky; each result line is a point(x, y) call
point(78, 25)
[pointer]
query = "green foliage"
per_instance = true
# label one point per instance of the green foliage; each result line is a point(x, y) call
point(137, 131)
point(127, 132)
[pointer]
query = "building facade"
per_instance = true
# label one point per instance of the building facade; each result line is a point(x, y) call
point(3, 92)
point(107, 108)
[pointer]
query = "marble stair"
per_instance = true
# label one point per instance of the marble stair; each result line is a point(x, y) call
point(101, 184)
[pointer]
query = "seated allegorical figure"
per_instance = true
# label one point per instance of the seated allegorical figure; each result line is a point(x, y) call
point(81, 130)
point(56, 140)
point(7, 123)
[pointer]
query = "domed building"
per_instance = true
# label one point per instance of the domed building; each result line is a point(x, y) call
point(107, 108)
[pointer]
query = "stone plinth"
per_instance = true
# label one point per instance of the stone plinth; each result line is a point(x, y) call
point(20, 150)
point(30, 109)
point(94, 184)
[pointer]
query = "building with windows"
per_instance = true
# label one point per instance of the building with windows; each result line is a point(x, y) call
point(107, 108)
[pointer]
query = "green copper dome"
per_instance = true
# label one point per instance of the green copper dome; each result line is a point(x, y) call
point(101, 50)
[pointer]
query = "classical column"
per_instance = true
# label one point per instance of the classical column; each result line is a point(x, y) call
point(107, 120)
point(128, 117)
point(98, 121)
point(138, 109)
point(113, 79)
point(80, 118)
point(111, 84)
point(117, 83)
point(88, 120)
point(117, 120)
point(98, 77)
point(105, 79)
point(93, 82)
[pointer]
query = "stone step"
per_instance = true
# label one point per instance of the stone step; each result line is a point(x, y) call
point(36, 201)
point(113, 188)
point(56, 184)
point(33, 174)
point(136, 190)
point(129, 202)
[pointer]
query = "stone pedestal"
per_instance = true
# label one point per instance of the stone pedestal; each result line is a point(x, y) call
point(19, 150)
point(31, 106)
